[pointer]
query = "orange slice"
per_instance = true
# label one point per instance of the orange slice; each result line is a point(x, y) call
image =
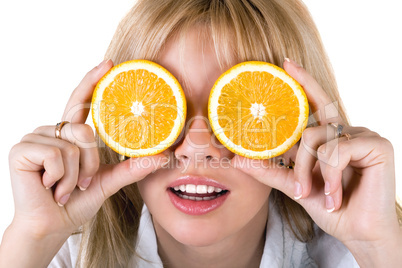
point(138, 108)
point(257, 110)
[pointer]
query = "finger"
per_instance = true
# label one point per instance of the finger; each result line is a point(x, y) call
point(112, 178)
point(333, 201)
point(323, 108)
point(268, 172)
point(336, 155)
point(83, 137)
point(48, 180)
point(312, 139)
point(70, 155)
point(331, 170)
point(32, 157)
point(78, 106)
point(67, 184)
point(306, 159)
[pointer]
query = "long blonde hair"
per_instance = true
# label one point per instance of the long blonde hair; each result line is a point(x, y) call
point(264, 30)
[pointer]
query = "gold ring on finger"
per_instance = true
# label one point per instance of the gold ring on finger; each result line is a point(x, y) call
point(59, 126)
point(347, 135)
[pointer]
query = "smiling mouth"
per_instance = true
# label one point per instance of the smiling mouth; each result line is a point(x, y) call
point(198, 192)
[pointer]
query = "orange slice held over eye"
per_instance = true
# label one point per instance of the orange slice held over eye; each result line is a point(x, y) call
point(257, 110)
point(138, 108)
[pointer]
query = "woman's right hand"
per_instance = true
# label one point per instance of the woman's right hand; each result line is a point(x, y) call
point(58, 184)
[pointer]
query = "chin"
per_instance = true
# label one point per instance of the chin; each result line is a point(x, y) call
point(198, 233)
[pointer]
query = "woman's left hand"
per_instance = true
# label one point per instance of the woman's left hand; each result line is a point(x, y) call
point(346, 184)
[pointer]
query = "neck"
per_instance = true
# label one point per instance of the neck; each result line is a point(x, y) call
point(242, 249)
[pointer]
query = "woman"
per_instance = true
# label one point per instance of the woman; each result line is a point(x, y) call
point(338, 201)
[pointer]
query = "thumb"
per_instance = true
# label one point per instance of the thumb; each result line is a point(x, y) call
point(268, 172)
point(77, 107)
point(114, 177)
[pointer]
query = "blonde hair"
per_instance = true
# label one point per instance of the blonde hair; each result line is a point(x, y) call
point(264, 30)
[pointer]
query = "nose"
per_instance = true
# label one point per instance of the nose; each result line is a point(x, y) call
point(199, 142)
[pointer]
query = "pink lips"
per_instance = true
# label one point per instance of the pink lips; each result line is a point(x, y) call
point(205, 203)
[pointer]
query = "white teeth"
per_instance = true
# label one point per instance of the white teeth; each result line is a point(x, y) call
point(198, 198)
point(202, 189)
point(197, 189)
point(191, 188)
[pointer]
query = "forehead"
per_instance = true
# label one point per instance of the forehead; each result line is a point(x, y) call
point(191, 58)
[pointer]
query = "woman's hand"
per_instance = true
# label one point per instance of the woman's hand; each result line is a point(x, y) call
point(58, 184)
point(346, 184)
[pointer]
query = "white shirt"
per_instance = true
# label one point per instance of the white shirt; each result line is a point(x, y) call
point(281, 248)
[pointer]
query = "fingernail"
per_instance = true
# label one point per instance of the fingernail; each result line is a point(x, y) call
point(292, 62)
point(102, 63)
point(50, 186)
point(63, 200)
point(329, 203)
point(298, 192)
point(84, 184)
point(327, 188)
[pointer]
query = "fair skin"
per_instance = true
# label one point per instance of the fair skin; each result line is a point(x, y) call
point(357, 175)
point(232, 235)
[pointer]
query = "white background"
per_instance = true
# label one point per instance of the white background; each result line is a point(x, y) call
point(47, 47)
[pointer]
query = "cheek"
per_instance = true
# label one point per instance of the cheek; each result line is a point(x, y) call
point(150, 189)
point(250, 196)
